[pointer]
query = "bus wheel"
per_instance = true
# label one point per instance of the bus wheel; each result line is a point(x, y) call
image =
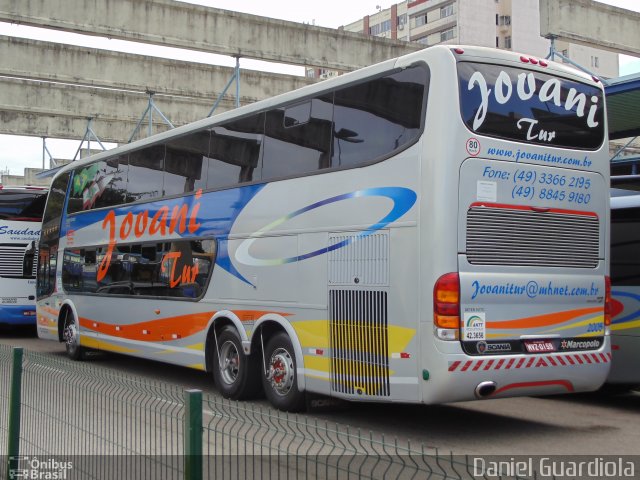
point(234, 373)
point(71, 336)
point(280, 379)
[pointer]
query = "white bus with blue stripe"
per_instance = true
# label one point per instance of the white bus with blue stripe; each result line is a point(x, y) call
point(20, 220)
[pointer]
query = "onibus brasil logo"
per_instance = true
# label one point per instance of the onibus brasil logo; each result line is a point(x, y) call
point(34, 468)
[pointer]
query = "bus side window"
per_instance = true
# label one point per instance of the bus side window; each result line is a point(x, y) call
point(235, 152)
point(298, 114)
point(49, 237)
point(298, 138)
point(110, 181)
point(177, 269)
point(377, 117)
point(89, 183)
point(72, 260)
point(146, 169)
point(185, 164)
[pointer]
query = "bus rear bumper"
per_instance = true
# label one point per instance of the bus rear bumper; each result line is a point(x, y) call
point(469, 378)
point(18, 314)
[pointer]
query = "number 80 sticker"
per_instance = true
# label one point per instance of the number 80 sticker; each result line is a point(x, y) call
point(473, 147)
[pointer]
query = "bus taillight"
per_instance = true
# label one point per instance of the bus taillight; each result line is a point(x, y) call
point(446, 306)
point(607, 301)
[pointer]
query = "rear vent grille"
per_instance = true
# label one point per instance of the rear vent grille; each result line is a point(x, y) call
point(504, 236)
point(12, 260)
point(363, 262)
point(359, 342)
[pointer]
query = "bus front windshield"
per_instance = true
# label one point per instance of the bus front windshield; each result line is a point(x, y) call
point(22, 206)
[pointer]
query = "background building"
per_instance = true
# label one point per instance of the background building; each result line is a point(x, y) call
point(507, 24)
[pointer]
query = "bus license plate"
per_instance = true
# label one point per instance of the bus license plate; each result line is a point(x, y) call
point(539, 346)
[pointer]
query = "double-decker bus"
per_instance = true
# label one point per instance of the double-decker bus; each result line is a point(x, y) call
point(625, 283)
point(433, 228)
point(20, 219)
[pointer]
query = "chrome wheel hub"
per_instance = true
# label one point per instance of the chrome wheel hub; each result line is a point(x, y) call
point(229, 362)
point(70, 335)
point(281, 371)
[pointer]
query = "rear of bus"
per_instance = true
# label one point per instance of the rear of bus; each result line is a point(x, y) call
point(20, 222)
point(519, 283)
point(625, 283)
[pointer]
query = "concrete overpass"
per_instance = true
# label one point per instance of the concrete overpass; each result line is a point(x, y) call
point(591, 23)
point(49, 89)
point(33, 101)
point(56, 62)
point(178, 24)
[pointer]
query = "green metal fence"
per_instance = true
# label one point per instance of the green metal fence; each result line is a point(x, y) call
point(90, 422)
point(5, 373)
point(243, 441)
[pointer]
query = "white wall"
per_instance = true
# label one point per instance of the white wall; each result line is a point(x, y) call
point(477, 22)
point(608, 61)
point(525, 23)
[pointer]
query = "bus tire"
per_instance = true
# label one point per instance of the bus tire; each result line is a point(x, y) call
point(71, 336)
point(238, 378)
point(280, 381)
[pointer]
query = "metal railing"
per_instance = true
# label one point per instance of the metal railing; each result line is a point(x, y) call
point(87, 422)
point(5, 384)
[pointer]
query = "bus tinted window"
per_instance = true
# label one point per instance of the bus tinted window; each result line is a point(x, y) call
point(297, 114)
point(300, 143)
point(109, 187)
point(168, 269)
point(530, 107)
point(22, 206)
point(185, 166)
point(375, 118)
point(146, 169)
point(87, 185)
point(50, 235)
point(625, 246)
point(235, 152)
point(72, 270)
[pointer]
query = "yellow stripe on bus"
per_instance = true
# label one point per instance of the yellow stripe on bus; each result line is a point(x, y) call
point(625, 325)
point(322, 364)
point(315, 334)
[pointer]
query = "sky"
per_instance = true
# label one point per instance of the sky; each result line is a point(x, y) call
point(18, 152)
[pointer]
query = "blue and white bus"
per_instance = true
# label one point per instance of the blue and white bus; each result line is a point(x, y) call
point(20, 220)
point(430, 229)
point(625, 283)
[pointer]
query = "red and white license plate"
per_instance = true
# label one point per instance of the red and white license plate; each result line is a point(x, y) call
point(539, 346)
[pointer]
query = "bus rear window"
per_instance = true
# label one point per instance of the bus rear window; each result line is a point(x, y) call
point(22, 206)
point(530, 106)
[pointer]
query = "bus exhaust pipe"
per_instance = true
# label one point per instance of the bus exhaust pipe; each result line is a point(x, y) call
point(485, 389)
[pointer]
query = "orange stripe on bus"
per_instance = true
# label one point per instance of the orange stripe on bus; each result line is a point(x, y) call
point(545, 320)
point(162, 329)
point(51, 311)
